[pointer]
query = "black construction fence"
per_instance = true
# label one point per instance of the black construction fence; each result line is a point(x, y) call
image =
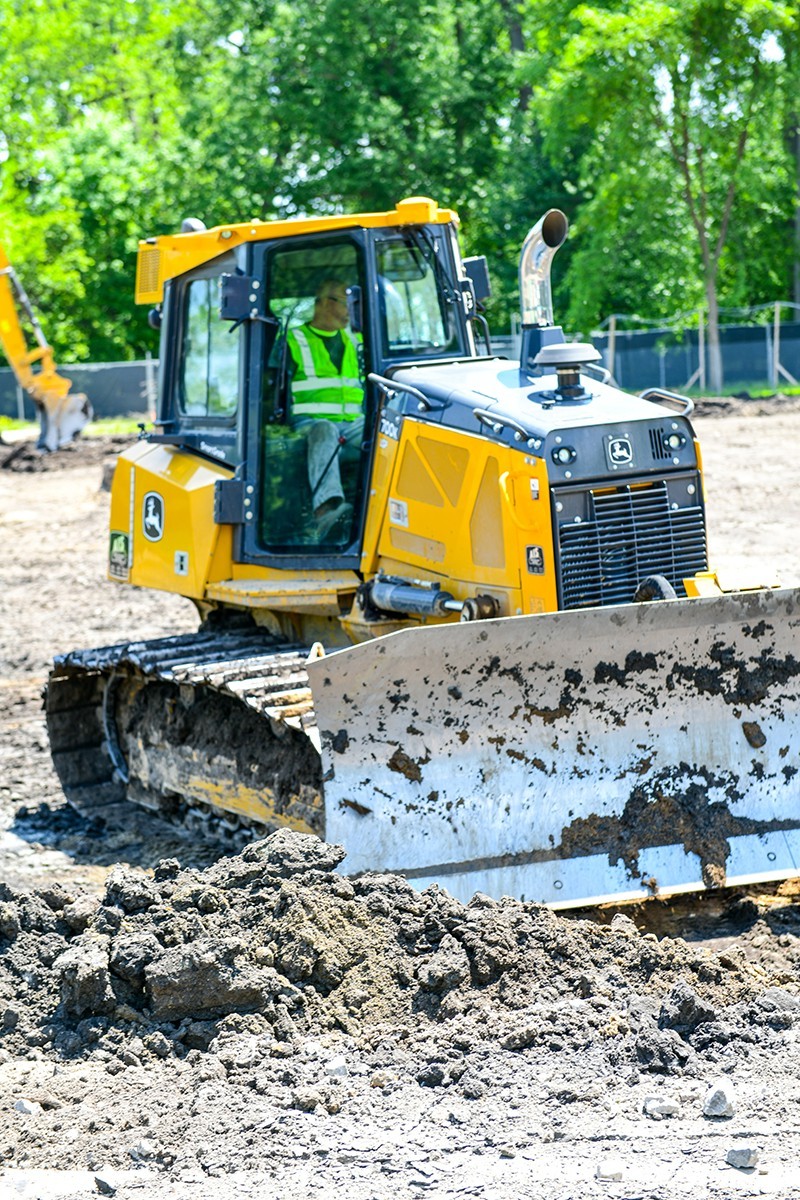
point(667, 358)
point(670, 358)
point(114, 389)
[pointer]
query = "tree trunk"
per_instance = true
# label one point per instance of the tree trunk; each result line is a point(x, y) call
point(796, 255)
point(715, 373)
point(512, 13)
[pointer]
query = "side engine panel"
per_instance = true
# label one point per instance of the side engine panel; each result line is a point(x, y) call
point(162, 529)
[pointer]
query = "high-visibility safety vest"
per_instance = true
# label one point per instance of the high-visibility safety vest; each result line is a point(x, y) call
point(318, 390)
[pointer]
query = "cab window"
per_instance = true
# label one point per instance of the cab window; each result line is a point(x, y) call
point(414, 317)
point(210, 363)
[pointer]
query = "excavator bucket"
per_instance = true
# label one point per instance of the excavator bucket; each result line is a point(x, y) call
point(62, 413)
point(575, 757)
point(61, 418)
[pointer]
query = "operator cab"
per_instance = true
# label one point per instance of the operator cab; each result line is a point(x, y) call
point(380, 300)
point(243, 338)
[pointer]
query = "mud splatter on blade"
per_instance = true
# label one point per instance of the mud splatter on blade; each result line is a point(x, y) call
point(571, 757)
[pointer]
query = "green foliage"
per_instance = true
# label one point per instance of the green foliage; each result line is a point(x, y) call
point(667, 132)
point(681, 101)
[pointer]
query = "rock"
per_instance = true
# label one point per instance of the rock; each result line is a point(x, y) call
point(431, 1075)
point(211, 900)
point(133, 952)
point(661, 1050)
point(56, 896)
point(610, 1169)
point(50, 947)
point(622, 924)
point(85, 981)
point(104, 1186)
point(743, 1157)
point(167, 868)
point(29, 1108)
point(683, 1010)
point(306, 1099)
point(144, 1149)
point(9, 920)
point(523, 1036)
point(81, 912)
point(10, 1018)
point(108, 919)
point(281, 1050)
point(447, 968)
point(719, 1100)
point(337, 1067)
point(158, 1044)
point(383, 1078)
point(777, 1000)
point(659, 1107)
point(129, 890)
point(283, 1025)
point(46, 1099)
point(204, 979)
point(34, 915)
point(294, 853)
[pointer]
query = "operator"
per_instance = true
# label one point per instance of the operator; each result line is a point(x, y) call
point(327, 399)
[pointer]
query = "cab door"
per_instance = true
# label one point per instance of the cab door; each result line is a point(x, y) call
point(307, 465)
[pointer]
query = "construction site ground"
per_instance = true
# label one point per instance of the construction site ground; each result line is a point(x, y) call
point(180, 1022)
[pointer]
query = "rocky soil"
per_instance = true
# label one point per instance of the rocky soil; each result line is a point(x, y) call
point(179, 1023)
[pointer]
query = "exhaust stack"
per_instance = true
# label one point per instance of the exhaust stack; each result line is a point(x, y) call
point(538, 249)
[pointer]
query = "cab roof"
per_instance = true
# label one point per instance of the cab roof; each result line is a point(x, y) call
point(166, 257)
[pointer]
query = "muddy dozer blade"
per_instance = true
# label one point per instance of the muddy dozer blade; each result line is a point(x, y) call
point(575, 757)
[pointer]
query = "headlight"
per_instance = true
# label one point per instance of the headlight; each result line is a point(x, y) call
point(564, 455)
point(676, 441)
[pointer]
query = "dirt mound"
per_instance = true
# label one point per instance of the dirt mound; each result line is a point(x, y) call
point(180, 1020)
point(742, 404)
point(83, 452)
point(276, 935)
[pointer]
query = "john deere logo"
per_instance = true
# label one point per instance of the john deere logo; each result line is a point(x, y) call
point(620, 452)
point(153, 517)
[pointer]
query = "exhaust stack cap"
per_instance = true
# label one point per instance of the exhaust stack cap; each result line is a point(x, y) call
point(567, 354)
point(567, 358)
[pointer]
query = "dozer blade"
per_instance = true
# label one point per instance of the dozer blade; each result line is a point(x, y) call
point(574, 757)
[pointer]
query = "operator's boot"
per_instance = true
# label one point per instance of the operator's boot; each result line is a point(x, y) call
point(329, 516)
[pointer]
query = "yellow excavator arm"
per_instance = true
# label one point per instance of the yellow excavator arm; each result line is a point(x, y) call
point(63, 414)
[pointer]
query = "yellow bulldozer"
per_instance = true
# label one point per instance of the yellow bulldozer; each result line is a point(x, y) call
point(62, 412)
point(461, 620)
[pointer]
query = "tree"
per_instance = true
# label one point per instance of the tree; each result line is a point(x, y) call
point(689, 87)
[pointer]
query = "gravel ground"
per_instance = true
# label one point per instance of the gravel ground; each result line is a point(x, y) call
point(178, 1024)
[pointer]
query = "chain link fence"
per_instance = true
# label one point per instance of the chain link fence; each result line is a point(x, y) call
point(760, 349)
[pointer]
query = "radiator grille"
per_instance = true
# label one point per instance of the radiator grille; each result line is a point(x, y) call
point(627, 534)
